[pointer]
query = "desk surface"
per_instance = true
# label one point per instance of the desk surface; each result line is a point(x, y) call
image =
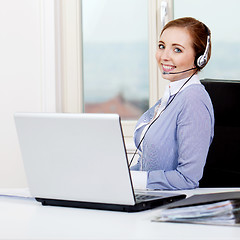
point(24, 218)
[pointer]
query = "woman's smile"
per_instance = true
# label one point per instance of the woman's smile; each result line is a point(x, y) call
point(168, 68)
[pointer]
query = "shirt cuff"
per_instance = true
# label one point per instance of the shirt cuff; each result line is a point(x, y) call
point(139, 179)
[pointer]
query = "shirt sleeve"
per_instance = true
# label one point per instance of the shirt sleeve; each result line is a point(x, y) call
point(139, 179)
point(194, 136)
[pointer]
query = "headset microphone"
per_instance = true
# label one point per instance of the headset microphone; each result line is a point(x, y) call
point(180, 71)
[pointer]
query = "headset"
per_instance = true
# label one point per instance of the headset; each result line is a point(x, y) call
point(202, 60)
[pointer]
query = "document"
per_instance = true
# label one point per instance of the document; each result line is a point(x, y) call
point(15, 192)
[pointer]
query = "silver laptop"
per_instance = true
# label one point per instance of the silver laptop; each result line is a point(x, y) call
point(79, 160)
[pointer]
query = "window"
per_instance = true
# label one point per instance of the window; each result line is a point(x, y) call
point(75, 91)
point(221, 17)
point(69, 52)
point(115, 57)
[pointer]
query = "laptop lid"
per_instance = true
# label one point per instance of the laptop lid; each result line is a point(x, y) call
point(79, 157)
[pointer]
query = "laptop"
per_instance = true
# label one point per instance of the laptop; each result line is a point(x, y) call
point(80, 160)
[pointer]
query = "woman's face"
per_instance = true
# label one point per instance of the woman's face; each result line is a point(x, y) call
point(175, 53)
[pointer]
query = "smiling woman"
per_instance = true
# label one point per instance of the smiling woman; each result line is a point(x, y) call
point(173, 137)
point(188, 45)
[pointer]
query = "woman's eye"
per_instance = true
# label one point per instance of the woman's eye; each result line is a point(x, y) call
point(160, 46)
point(177, 50)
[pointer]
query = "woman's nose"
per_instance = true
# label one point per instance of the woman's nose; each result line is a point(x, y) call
point(165, 54)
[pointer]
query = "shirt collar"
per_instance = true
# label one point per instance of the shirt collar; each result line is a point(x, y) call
point(176, 85)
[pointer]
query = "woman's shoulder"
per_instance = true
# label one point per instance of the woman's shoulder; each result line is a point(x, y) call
point(195, 92)
point(195, 98)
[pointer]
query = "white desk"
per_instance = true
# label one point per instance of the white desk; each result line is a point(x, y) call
point(22, 218)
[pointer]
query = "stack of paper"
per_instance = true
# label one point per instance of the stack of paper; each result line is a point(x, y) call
point(222, 212)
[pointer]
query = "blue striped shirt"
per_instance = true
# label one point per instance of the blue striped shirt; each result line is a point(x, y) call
point(175, 147)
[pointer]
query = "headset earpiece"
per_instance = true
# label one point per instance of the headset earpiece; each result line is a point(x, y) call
point(202, 60)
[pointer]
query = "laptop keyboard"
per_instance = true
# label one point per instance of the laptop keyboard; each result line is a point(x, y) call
point(142, 198)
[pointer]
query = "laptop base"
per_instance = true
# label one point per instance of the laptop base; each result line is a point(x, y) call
point(112, 207)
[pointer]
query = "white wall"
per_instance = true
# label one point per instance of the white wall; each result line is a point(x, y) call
point(20, 79)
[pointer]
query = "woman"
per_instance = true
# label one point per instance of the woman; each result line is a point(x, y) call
point(173, 137)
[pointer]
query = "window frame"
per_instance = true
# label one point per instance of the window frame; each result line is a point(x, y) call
point(70, 61)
